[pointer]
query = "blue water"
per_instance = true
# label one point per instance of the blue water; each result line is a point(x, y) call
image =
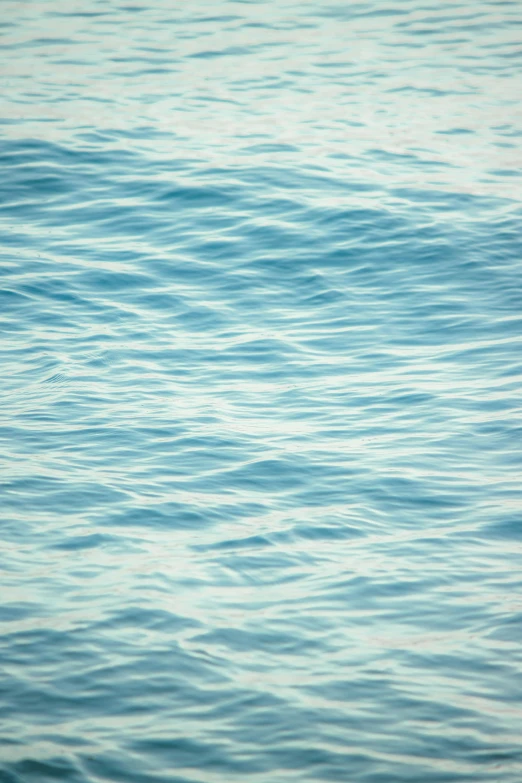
point(261, 364)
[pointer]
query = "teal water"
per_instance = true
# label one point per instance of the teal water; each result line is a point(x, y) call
point(261, 317)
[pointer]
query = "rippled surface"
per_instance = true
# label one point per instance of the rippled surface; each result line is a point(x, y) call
point(261, 392)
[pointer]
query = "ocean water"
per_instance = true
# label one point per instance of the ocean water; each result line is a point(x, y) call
point(261, 318)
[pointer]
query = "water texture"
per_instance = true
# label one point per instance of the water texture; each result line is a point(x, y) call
point(261, 357)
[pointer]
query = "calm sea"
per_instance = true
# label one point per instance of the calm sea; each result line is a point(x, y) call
point(261, 391)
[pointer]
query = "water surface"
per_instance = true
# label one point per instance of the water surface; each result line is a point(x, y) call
point(261, 392)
